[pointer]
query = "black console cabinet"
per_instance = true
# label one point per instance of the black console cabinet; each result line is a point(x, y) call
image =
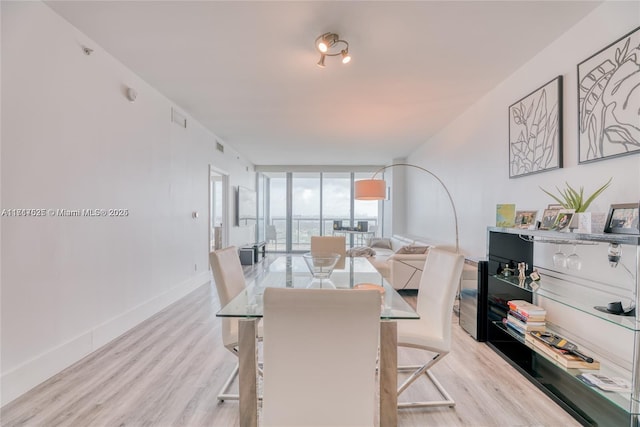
point(567, 293)
point(246, 254)
point(253, 254)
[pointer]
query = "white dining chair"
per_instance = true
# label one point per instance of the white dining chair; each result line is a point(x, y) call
point(320, 348)
point(332, 244)
point(436, 295)
point(229, 279)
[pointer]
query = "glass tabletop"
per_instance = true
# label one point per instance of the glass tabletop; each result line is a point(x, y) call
point(290, 271)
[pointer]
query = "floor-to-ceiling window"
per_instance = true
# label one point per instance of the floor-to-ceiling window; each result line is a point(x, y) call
point(336, 200)
point(299, 205)
point(305, 209)
point(275, 188)
point(260, 225)
point(366, 210)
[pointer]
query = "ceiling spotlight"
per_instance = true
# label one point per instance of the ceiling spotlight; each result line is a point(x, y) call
point(327, 43)
point(346, 58)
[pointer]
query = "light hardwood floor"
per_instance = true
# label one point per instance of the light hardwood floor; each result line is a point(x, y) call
point(168, 370)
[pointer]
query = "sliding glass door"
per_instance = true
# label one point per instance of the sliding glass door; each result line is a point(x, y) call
point(365, 210)
point(336, 200)
point(298, 205)
point(275, 202)
point(305, 210)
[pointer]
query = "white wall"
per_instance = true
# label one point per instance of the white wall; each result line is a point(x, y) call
point(71, 140)
point(471, 154)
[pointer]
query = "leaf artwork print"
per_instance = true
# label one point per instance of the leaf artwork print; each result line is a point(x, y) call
point(534, 131)
point(609, 100)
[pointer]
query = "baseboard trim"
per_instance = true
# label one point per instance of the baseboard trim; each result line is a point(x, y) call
point(22, 378)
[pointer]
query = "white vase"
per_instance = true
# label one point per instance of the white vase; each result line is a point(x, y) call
point(581, 222)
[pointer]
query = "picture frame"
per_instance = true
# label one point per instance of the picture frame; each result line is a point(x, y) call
point(563, 220)
point(549, 217)
point(608, 94)
point(505, 215)
point(526, 219)
point(535, 131)
point(623, 218)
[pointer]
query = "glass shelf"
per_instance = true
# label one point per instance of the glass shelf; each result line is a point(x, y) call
point(570, 292)
point(628, 239)
point(620, 399)
point(565, 293)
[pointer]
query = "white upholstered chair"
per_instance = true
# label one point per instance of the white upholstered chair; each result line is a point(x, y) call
point(333, 244)
point(320, 348)
point(436, 295)
point(229, 278)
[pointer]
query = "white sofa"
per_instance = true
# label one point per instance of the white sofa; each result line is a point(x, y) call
point(402, 270)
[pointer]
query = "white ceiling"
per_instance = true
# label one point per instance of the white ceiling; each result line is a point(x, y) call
point(247, 70)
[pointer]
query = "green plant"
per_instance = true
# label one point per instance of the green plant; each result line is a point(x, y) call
point(569, 198)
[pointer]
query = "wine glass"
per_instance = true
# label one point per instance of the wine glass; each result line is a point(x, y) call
point(573, 261)
point(560, 258)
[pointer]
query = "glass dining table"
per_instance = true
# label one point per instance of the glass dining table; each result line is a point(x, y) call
point(291, 271)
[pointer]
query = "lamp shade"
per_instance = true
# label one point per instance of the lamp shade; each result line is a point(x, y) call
point(370, 189)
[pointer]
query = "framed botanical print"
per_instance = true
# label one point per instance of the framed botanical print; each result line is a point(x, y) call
point(609, 101)
point(535, 131)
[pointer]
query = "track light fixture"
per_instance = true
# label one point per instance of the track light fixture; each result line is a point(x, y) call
point(321, 62)
point(328, 41)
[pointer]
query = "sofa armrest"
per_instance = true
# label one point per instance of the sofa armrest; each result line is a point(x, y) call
point(409, 257)
point(398, 241)
point(406, 270)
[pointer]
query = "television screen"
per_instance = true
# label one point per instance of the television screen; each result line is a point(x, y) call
point(246, 208)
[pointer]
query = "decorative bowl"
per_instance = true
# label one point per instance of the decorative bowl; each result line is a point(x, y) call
point(321, 264)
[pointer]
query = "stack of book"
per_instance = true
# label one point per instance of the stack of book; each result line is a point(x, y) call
point(524, 317)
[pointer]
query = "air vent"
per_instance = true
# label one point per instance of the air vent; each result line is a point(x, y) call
point(219, 147)
point(178, 118)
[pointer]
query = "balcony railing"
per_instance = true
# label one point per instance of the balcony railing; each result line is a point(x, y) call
point(302, 230)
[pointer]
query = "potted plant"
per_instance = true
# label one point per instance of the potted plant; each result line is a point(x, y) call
point(570, 198)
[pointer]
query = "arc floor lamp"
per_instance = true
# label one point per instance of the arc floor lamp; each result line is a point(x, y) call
point(376, 189)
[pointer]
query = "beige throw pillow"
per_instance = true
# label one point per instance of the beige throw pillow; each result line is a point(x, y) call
point(379, 242)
